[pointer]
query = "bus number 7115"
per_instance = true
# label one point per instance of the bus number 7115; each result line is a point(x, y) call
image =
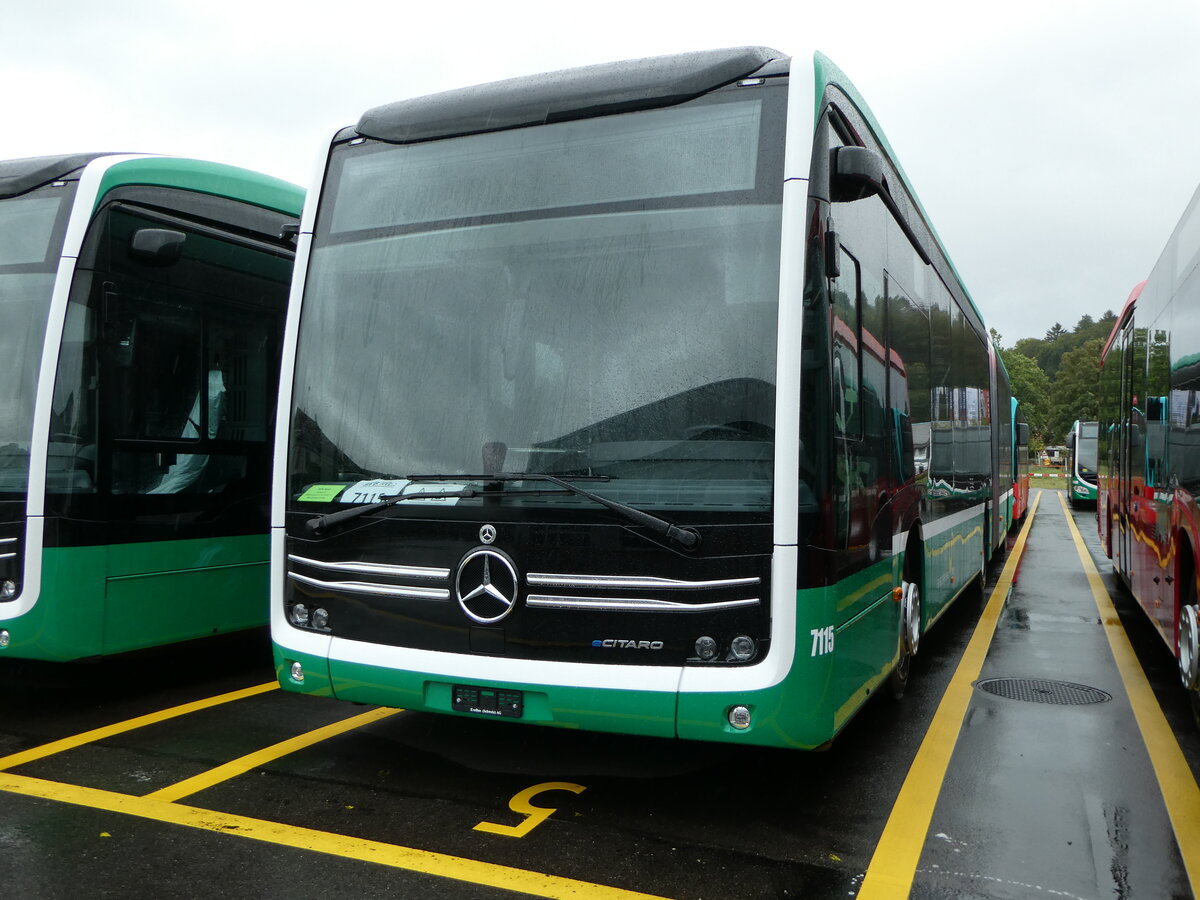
point(822, 640)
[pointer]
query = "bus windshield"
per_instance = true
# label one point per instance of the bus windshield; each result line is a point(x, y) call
point(591, 298)
point(30, 237)
point(1085, 449)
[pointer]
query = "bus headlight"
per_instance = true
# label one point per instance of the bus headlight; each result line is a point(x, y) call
point(320, 618)
point(297, 673)
point(5, 638)
point(300, 615)
point(706, 648)
point(8, 589)
point(741, 648)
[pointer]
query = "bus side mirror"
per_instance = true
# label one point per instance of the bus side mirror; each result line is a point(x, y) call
point(1071, 441)
point(1022, 434)
point(857, 173)
point(157, 246)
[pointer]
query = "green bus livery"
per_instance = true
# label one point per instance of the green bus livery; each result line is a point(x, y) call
point(638, 398)
point(142, 302)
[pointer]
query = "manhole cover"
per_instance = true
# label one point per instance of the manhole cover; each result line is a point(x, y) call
point(1039, 690)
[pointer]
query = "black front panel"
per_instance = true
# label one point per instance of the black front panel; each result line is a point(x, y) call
point(563, 592)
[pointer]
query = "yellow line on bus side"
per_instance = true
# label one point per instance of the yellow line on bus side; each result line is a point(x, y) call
point(894, 863)
point(99, 734)
point(424, 862)
point(243, 764)
point(1179, 789)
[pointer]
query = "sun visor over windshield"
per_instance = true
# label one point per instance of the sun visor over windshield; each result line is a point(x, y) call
point(560, 96)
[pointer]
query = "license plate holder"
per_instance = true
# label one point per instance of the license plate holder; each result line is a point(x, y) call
point(485, 701)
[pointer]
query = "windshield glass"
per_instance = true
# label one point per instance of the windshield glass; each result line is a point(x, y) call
point(31, 228)
point(586, 298)
point(1085, 450)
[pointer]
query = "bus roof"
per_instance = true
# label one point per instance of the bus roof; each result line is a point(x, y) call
point(561, 96)
point(217, 179)
point(19, 176)
point(1126, 312)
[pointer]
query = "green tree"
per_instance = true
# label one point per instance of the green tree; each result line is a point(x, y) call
point(1055, 332)
point(1076, 388)
point(1031, 387)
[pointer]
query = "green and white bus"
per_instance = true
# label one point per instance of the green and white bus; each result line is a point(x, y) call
point(624, 398)
point(1083, 462)
point(142, 302)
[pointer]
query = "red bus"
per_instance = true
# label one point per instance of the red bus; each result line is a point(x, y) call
point(1149, 446)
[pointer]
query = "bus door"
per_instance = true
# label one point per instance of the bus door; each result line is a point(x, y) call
point(1123, 519)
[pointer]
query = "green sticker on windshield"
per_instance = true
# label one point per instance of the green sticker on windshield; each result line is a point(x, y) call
point(322, 493)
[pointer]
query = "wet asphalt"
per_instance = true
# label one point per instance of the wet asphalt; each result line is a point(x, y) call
point(1057, 798)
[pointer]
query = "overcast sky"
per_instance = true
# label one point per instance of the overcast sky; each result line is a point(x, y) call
point(1053, 143)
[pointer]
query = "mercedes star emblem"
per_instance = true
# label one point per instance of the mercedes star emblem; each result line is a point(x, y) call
point(486, 585)
point(487, 533)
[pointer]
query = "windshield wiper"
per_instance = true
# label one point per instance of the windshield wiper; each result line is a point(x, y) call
point(319, 523)
point(688, 538)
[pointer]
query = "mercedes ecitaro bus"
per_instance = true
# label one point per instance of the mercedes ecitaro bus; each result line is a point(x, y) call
point(639, 397)
point(1082, 475)
point(142, 302)
point(1149, 447)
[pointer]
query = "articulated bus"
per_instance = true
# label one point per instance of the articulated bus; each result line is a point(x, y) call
point(142, 303)
point(626, 399)
point(1149, 447)
point(1082, 460)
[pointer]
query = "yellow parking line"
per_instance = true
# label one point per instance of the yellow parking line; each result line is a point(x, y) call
point(1179, 789)
point(425, 862)
point(243, 764)
point(894, 863)
point(99, 734)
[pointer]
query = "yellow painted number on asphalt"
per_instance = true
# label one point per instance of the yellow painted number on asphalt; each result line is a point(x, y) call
point(534, 815)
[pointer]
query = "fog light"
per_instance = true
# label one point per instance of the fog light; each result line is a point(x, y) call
point(5, 637)
point(297, 673)
point(742, 648)
point(739, 717)
point(8, 589)
point(320, 618)
point(706, 648)
point(300, 615)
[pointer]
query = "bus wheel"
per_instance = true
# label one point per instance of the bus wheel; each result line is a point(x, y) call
point(1189, 649)
point(910, 635)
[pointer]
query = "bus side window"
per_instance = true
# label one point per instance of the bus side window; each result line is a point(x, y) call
point(1158, 383)
point(847, 408)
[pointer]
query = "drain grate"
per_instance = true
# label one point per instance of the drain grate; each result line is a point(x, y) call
point(1040, 690)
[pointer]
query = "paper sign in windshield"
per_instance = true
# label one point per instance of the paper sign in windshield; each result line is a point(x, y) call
point(384, 488)
point(322, 493)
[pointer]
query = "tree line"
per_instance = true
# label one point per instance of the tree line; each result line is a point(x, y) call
point(1057, 377)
